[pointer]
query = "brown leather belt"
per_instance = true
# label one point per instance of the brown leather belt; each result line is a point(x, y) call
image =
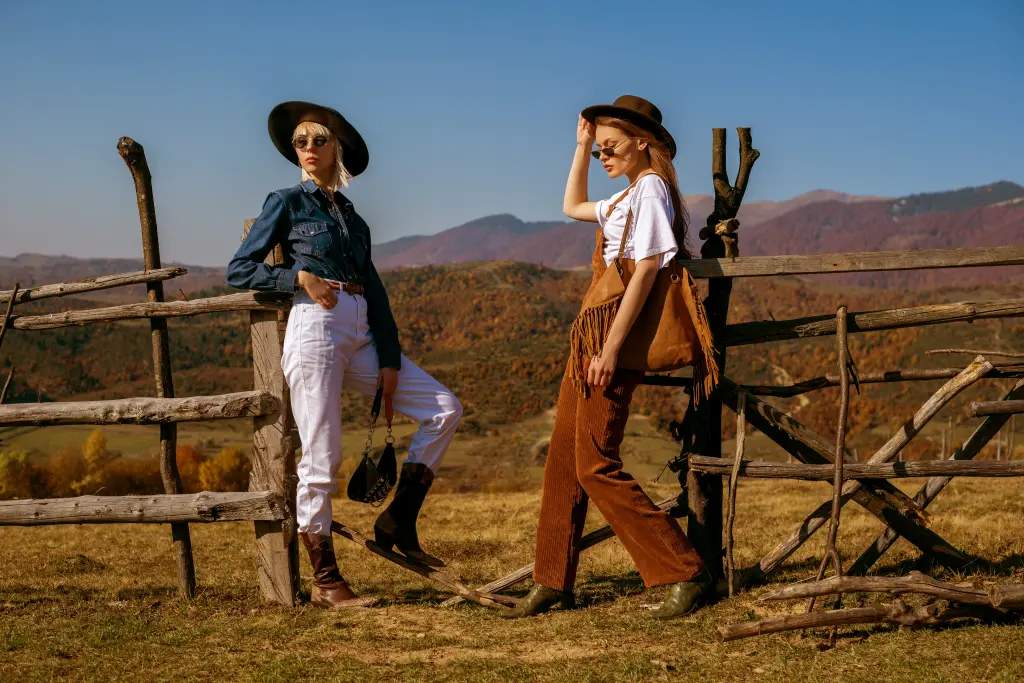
point(352, 288)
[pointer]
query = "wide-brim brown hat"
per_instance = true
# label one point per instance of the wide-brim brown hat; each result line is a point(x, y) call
point(638, 111)
point(285, 116)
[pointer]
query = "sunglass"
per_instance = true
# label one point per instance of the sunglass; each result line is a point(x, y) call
point(608, 151)
point(301, 141)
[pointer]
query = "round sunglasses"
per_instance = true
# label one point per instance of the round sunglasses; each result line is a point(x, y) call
point(301, 141)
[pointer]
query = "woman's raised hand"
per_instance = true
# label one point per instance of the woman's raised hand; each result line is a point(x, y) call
point(319, 290)
point(585, 133)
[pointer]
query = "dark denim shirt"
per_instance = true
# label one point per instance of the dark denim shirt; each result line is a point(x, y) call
point(298, 219)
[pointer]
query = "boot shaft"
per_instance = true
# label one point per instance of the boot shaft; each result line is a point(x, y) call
point(322, 558)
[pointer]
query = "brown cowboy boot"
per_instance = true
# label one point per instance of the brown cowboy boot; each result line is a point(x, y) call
point(396, 526)
point(330, 591)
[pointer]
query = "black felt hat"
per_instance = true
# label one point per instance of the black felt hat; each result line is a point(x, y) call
point(638, 111)
point(285, 116)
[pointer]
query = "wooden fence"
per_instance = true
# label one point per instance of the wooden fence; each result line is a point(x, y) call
point(269, 503)
point(700, 466)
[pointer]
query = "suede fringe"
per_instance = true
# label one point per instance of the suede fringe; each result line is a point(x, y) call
point(586, 339)
point(705, 370)
point(591, 327)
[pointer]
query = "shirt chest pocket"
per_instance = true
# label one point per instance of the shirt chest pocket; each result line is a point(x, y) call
point(313, 238)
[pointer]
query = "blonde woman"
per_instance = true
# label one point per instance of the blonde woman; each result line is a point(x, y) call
point(340, 333)
point(583, 459)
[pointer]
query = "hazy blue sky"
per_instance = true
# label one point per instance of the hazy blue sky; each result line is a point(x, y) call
point(470, 108)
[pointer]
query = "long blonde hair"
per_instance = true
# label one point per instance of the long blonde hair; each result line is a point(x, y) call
point(661, 163)
point(312, 129)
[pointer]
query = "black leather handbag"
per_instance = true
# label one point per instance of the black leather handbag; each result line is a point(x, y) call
point(375, 476)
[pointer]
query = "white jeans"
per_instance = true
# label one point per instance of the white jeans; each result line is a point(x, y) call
point(325, 350)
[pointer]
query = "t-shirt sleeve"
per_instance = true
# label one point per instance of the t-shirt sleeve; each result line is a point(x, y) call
point(652, 223)
point(599, 209)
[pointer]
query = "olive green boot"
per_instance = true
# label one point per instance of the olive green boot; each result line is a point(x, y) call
point(686, 596)
point(540, 599)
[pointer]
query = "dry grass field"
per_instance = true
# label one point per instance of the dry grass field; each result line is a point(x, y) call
point(99, 603)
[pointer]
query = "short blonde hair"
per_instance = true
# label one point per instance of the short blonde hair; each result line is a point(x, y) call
point(312, 129)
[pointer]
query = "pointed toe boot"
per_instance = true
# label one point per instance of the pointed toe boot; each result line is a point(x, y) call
point(330, 590)
point(540, 599)
point(686, 596)
point(396, 526)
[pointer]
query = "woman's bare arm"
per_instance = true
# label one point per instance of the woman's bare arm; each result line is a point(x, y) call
point(575, 204)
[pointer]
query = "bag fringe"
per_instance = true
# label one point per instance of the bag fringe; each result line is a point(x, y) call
point(586, 339)
point(705, 372)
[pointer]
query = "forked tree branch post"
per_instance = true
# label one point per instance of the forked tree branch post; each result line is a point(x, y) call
point(704, 495)
point(135, 157)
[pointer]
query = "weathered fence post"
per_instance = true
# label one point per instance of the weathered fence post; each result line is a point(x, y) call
point(273, 456)
point(705, 491)
point(135, 157)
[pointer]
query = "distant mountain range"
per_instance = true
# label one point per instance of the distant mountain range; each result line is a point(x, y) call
point(814, 222)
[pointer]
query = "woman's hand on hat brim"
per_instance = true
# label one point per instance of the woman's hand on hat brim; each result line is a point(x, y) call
point(585, 132)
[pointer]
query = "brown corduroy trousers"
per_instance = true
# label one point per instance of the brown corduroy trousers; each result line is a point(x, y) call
point(583, 462)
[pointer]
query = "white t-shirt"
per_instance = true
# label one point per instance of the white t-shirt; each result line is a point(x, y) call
point(652, 222)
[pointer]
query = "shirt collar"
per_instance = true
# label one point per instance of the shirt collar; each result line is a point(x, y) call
point(311, 187)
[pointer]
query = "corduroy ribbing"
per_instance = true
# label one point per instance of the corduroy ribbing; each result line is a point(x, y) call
point(583, 462)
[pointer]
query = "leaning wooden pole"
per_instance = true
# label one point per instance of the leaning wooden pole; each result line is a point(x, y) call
point(135, 157)
point(720, 241)
point(831, 553)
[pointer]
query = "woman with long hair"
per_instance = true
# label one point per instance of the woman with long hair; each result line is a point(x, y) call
point(341, 332)
point(583, 459)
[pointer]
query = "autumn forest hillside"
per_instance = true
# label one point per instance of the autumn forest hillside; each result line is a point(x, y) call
point(496, 332)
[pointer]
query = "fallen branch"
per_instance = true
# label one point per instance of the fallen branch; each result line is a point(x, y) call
point(442, 578)
point(896, 612)
point(1003, 597)
point(588, 540)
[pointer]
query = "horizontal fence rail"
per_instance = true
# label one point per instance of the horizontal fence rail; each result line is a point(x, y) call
point(982, 408)
point(855, 262)
point(144, 410)
point(763, 469)
point(242, 301)
point(158, 508)
point(92, 284)
point(1000, 371)
point(761, 331)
